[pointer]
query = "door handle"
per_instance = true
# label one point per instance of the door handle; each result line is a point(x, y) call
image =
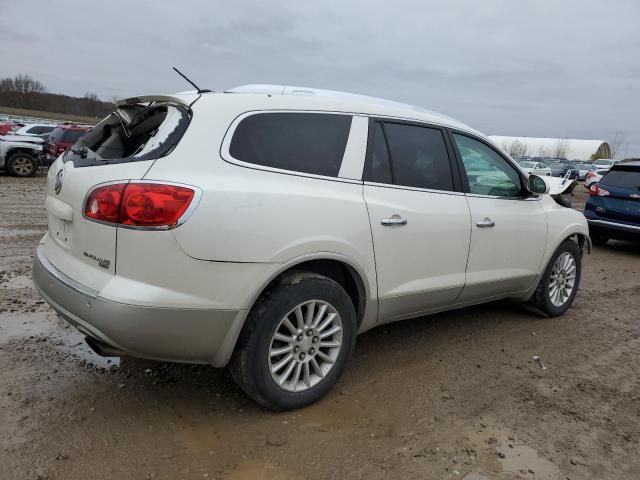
point(394, 220)
point(486, 223)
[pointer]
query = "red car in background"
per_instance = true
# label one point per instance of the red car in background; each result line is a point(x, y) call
point(63, 137)
point(8, 127)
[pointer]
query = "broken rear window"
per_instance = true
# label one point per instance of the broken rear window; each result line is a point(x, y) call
point(132, 133)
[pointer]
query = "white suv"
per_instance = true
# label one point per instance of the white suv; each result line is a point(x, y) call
point(264, 227)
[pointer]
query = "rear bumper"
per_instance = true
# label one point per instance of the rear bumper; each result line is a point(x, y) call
point(167, 334)
point(614, 229)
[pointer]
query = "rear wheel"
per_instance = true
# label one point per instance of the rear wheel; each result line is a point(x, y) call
point(22, 165)
point(296, 342)
point(559, 283)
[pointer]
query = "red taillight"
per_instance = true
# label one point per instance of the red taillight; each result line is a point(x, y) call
point(103, 203)
point(139, 204)
point(590, 175)
point(596, 190)
point(153, 205)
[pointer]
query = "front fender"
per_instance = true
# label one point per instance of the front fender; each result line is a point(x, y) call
point(562, 223)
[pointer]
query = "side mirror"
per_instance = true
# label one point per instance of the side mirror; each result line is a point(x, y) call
point(537, 184)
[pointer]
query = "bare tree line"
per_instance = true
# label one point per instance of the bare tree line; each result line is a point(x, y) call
point(25, 92)
point(615, 143)
point(558, 150)
point(519, 148)
point(515, 148)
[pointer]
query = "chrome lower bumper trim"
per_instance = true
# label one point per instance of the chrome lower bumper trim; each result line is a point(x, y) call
point(616, 225)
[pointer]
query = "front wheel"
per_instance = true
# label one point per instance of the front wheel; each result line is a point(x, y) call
point(559, 283)
point(22, 165)
point(296, 342)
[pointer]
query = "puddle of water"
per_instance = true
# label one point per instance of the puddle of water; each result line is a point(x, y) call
point(199, 438)
point(515, 457)
point(23, 326)
point(46, 324)
point(475, 476)
point(259, 471)
point(523, 457)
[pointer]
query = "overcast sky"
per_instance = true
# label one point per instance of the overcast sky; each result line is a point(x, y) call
point(558, 68)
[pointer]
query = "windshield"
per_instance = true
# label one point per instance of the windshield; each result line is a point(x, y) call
point(602, 162)
point(132, 133)
point(527, 164)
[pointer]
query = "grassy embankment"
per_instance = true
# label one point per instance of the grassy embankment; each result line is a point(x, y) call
point(48, 115)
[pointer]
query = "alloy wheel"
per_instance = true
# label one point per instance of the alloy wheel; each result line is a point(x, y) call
point(563, 279)
point(22, 166)
point(305, 345)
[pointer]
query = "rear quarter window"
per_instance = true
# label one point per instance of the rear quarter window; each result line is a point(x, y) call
point(301, 142)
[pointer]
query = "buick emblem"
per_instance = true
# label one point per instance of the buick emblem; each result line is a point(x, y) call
point(58, 185)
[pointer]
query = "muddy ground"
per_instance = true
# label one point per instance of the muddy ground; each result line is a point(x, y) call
point(455, 395)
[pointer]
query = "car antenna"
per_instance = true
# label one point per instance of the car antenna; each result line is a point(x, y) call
point(200, 90)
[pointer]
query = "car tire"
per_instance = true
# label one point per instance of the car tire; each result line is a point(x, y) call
point(22, 165)
point(552, 302)
point(266, 375)
point(599, 239)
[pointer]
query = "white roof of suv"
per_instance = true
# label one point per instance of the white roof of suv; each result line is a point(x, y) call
point(348, 101)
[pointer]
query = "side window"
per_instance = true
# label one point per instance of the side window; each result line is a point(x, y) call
point(302, 142)
point(39, 130)
point(488, 173)
point(419, 157)
point(380, 166)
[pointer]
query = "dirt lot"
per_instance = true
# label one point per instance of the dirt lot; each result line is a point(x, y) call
point(449, 396)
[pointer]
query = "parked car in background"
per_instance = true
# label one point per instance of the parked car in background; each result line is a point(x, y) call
point(569, 170)
point(537, 168)
point(35, 129)
point(605, 164)
point(62, 137)
point(449, 216)
point(613, 207)
point(584, 169)
point(592, 178)
point(557, 168)
point(522, 159)
point(7, 127)
point(20, 154)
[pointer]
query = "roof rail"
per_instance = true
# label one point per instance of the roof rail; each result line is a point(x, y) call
point(291, 90)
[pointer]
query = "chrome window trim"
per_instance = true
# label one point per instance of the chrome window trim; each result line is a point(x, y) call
point(533, 198)
point(225, 154)
point(412, 189)
point(614, 224)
